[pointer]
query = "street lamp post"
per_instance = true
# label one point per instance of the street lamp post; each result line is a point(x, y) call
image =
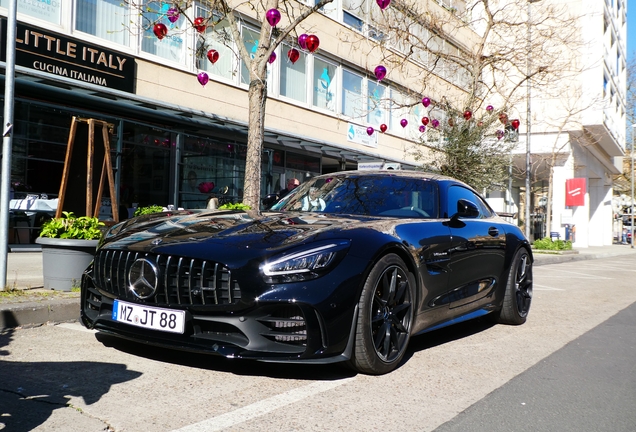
point(632, 209)
point(528, 114)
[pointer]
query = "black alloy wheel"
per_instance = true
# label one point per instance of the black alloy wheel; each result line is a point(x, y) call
point(518, 296)
point(385, 317)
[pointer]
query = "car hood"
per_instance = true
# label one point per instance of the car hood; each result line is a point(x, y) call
point(206, 234)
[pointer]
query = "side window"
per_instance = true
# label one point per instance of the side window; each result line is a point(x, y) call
point(456, 193)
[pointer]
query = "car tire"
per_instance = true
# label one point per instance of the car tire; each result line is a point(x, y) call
point(518, 294)
point(385, 317)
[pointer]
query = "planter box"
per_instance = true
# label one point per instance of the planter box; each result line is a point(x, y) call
point(64, 261)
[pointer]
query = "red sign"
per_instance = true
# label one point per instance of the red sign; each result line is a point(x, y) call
point(575, 192)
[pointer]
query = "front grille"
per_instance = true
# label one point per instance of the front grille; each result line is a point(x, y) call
point(183, 281)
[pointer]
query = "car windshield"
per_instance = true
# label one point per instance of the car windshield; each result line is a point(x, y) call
point(382, 195)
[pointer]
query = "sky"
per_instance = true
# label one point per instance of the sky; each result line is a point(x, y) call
point(631, 31)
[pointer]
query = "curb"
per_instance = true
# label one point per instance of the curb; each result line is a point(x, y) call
point(31, 314)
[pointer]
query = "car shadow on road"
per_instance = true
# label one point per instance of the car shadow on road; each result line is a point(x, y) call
point(31, 391)
point(315, 372)
point(444, 335)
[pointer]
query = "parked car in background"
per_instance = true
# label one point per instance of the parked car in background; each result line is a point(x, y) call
point(390, 254)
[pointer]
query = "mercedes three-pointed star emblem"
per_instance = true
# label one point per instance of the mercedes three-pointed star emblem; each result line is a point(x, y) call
point(142, 278)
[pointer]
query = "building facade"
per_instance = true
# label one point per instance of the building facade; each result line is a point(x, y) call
point(169, 134)
point(579, 133)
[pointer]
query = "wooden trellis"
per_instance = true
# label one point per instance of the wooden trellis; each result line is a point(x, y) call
point(107, 168)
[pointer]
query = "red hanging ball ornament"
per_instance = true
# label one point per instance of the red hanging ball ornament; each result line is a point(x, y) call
point(503, 118)
point(213, 55)
point(160, 30)
point(199, 24)
point(515, 124)
point(312, 43)
point(451, 122)
point(468, 115)
point(293, 55)
point(383, 128)
point(425, 121)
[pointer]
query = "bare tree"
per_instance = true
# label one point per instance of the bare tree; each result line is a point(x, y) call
point(229, 12)
point(479, 54)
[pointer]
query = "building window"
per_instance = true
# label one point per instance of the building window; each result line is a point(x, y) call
point(324, 85)
point(104, 19)
point(172, 47)
point(376, 100)
point(218, 38)
point(250, 39)
point(352, 99)
point(50, 11)
point(293, 77)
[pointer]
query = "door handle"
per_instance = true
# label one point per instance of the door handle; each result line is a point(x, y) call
point(492, 231)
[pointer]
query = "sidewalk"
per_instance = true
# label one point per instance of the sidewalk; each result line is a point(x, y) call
point(39, 306)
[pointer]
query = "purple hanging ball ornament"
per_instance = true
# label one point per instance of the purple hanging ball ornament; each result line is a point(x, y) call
point(302, 41)
point(370, 131)
point(173, 14)
point(272, 58)
point(380, 72)
point(422, 128)
point(273, 17)
point(435, 123)
point(203, 78)
point(426, 102)
point(490, 108)
point(404, 122)
point(383, 3)
point(500, 134)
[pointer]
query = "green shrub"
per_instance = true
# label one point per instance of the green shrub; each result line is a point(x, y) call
point(71, 227)
point(148, 210)
point(546, 243)
point(235, 206)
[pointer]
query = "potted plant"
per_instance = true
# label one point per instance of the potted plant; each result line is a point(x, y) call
point(68, 246)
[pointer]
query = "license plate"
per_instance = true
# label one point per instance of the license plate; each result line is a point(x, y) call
point(155, 318)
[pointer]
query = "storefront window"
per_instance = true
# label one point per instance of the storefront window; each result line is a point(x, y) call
point(210, 169)
point(49, 10)
point(145, 166)
point(324, 85)
point(104, 19)
point(172, 47)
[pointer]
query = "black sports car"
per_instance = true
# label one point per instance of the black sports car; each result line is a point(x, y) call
point(346, 268)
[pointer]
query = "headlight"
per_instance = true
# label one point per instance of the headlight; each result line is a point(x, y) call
point(305, 264)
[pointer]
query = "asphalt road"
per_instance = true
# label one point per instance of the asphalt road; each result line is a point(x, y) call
point(570, 367)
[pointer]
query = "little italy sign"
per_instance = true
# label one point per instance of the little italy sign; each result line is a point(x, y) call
point(59, 55)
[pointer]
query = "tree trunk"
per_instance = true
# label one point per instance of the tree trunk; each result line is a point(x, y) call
point(257, 96)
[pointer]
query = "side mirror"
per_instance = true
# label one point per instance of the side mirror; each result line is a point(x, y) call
point(467, 209)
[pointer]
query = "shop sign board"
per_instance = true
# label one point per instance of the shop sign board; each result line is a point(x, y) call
point(358, 134)
point(60, 55)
